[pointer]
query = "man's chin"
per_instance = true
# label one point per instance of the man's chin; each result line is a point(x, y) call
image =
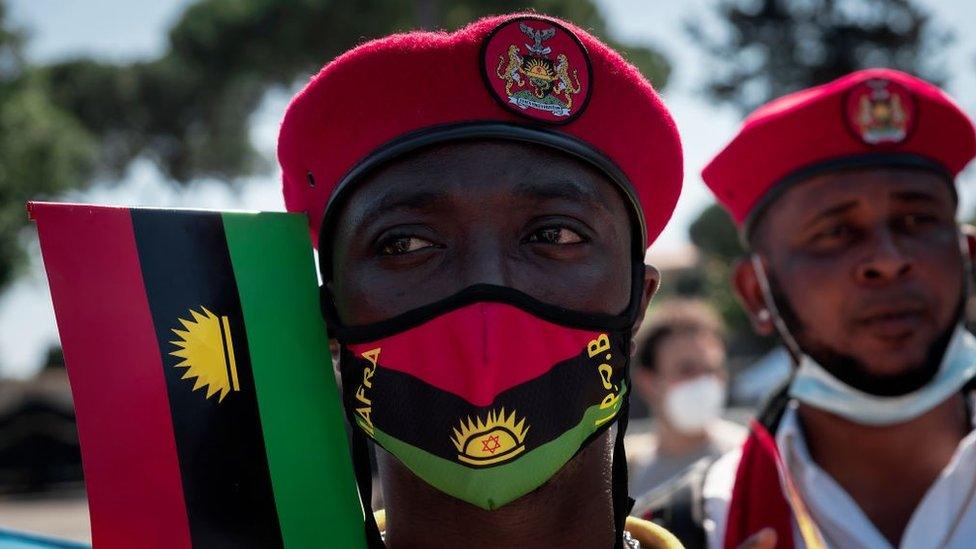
point(880, 372)
point(886, 359)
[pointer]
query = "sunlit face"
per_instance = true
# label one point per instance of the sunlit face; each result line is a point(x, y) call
point(429, 225)
point(869, 263)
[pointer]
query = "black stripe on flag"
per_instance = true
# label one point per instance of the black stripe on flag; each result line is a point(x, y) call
point(226, 482)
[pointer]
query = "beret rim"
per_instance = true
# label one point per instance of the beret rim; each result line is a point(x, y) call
point(866, 160)
point(465, 131)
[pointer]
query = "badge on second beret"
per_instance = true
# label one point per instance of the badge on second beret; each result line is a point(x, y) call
point(537, 68)
point(880, 112)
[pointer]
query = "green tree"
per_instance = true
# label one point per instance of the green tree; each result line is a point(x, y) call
point(772, 47)
point(189, 110)
point(43, 148)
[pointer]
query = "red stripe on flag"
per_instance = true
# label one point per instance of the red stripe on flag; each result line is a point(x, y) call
point(125, 428)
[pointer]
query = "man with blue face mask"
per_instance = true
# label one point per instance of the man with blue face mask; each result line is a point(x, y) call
point(845, 196)
point(481, 202)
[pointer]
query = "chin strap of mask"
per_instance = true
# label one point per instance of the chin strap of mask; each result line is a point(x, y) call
point(622, 502)
point(364, 481)
point(359, 446)
point(767, 291)
point(620, 494)
point(967, 267)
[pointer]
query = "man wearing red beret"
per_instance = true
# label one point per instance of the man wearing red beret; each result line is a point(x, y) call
point(481, 202)
point(845, 196)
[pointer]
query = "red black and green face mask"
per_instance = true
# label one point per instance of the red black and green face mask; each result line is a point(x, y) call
point(487, 394)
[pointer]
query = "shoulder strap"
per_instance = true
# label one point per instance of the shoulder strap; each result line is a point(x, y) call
point(622, 503)
point(678, 504)
point(773, 408)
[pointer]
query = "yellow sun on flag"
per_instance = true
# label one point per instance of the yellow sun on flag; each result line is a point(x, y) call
point(498, 438)
point(207, 350)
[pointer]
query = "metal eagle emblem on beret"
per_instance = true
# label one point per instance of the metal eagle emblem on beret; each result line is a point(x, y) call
point(880, 112)
point(537, 68)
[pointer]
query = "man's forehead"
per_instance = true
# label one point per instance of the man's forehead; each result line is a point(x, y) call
point(866, 185)
point(841, 191)
point(438, 176)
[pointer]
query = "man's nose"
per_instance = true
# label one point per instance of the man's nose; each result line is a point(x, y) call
point(886, 261)
point(485, 263)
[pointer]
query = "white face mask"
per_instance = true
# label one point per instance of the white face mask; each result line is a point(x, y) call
point(815, 386)
point(691, 405)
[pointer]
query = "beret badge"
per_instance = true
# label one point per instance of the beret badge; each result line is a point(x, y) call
point(537, 68)
point(880, 112)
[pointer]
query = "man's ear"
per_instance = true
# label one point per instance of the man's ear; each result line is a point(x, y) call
point(652, 281)
point(745, 282)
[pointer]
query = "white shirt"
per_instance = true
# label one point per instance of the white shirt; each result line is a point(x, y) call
point(946, 516)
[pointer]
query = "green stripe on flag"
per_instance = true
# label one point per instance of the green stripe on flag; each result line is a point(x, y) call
point(495, 486)
point(301, 416)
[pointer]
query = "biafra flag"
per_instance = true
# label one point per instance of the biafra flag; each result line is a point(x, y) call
point(207, 409)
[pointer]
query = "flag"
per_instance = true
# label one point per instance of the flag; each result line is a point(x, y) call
point(207, 408)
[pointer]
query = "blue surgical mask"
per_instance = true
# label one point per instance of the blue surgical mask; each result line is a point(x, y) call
point(815, 386)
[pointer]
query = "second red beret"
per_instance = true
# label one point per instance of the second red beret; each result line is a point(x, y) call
point(869, 117)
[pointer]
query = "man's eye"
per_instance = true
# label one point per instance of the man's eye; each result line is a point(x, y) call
point(555, 235)
point(403, 244)
point(835, 232)
point(916, 221)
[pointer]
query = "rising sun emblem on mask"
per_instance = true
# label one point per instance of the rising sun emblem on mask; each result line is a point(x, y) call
point(207, 350)
point(496, 439)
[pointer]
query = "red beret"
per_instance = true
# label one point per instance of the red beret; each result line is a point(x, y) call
point(871, 117)
point(524, 77)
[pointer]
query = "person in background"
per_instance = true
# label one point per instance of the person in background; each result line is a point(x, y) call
point(845, 196)
point(681, 375)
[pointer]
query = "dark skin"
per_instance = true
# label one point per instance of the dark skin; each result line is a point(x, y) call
point(869, 261)
point(430, 224)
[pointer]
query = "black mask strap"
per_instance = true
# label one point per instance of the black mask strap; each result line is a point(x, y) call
point(364, 481)
point(622, 502)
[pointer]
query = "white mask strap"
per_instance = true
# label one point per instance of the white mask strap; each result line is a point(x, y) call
point(777, 319)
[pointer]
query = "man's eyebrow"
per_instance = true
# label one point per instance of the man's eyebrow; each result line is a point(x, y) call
point(559, 189)
point(915, 196)
point(832, 211)
point(408, 200)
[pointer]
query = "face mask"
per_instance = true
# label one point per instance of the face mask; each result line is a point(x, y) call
point(487, 394)
point(815, 386)
point(692, 405)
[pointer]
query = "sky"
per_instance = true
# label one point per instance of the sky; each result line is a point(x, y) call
point(123, 30)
